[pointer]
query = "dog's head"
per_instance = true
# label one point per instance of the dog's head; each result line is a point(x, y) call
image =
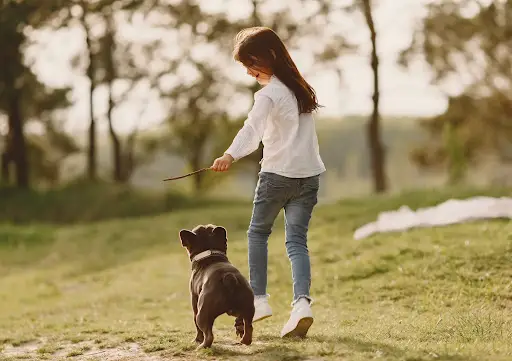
point(204, 238)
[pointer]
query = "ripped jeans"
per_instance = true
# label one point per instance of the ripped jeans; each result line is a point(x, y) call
point(298, 197)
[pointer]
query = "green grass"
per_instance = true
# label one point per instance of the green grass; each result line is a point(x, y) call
point(118, 289)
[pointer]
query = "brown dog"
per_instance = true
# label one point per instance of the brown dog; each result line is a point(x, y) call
point(216, 286)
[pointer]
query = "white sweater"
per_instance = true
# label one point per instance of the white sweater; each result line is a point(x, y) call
point(290, 143)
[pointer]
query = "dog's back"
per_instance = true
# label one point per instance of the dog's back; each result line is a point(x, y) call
point(223, 282)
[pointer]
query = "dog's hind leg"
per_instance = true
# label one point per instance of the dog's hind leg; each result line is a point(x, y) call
point(247, 338)
point(205, 324)
point(199, 336)
point(248, 315)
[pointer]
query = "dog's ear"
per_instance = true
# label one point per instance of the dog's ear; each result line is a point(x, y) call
point(220, 236)
point(220, 232)
point(186, 237)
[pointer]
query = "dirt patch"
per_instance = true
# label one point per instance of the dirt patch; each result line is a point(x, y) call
point(23, 349)
point(131, 351)
point(82, 351)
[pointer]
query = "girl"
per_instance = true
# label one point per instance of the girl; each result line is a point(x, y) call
point(289, 178)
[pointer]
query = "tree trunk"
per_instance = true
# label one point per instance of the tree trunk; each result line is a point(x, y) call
point(17, 147)
point(128, 158)
point(12, 72)
point(6, 163)
point(110, 78)
point(116, 144)
point(91, 152)
point(374, 136)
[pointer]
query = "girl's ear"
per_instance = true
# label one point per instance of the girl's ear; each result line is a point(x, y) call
point(186, 237)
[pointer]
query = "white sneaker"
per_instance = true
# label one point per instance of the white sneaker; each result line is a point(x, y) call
point(300, 320)
point(262, 308)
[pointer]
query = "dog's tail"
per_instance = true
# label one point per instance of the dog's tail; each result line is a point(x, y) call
point(229, 281)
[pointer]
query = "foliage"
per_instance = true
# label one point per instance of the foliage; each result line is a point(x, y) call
point(200, 91)
point(366, 10)
point(83, 202)
point(23, 97)
point(470, 41)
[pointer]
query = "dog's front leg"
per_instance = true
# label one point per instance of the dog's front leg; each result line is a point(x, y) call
point(239, 326)
point(200, 336)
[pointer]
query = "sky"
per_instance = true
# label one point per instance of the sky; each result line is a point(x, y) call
point(404, 92)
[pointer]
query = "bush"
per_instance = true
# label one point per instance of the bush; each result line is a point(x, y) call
point(86, 202)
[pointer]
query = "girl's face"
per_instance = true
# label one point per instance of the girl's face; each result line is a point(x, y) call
point(262, 76)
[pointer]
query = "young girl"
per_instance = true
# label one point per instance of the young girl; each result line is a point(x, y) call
point(289, 178)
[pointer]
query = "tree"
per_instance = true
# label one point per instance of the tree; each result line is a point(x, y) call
point(374, 133)
point(12, 71)
point(332, 51)
point(116, 61)
point(57, 15)
point(200, 89)
point(109, 47)
point(195, 121)
point(105, 61)
point(192, 84)
point(470, 41)
point(461, 137)
point(44, 152)
point(22, 96)
point(92, 168)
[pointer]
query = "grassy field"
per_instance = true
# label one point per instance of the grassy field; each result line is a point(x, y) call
point(118, 289)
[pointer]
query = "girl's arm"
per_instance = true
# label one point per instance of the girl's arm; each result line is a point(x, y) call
point(249, 137)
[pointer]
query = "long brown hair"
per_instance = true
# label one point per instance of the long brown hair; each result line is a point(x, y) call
point(261, 48)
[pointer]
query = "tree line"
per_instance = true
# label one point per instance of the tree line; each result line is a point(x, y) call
point(470, 42)
point(198, 121)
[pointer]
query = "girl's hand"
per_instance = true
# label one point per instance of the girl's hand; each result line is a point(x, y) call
point(223, 163)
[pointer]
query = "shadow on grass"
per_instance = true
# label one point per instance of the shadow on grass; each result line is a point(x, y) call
point(266, 347)
point(274, 348)
point(267, 352)
point(361, 346)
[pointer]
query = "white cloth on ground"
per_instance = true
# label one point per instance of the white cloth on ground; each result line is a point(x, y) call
point(452, 211)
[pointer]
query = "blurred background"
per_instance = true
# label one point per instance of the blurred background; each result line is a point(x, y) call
point(102, 99)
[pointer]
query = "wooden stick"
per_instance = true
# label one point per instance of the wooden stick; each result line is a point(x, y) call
point(187, 175)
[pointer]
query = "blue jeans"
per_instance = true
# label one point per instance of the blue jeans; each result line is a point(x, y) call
point(298, 197)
